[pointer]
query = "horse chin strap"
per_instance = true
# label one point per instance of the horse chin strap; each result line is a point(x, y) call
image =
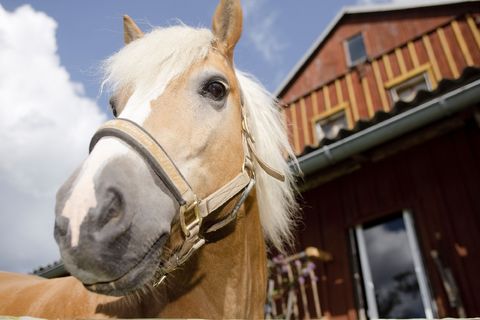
point(192, 210)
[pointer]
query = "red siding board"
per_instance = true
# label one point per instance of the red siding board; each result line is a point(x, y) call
point(321, 101)
point(394, 63)
point(421, 52)
point(455, 49)
point(310, 115)
point(470, 41)
point(357, 88)
point(440, 56)
point(383, 74)
point(407, 58)
point(343, 87)
point(372, 86)
point(299, 126)
point(454, 206)
point(333, 95)
point(441, 189)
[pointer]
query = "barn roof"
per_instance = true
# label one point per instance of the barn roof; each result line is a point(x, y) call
point(54, 270)
point(354, 10)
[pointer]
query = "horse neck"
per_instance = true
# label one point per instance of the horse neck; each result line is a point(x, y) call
point(227, 278)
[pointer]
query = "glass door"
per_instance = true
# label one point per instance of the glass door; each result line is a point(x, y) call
point(393, 274)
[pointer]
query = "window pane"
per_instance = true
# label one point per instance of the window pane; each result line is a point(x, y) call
point(391, 263)
point(356, 49)
point(329, 128)
point(408, 90)
point(408, 93)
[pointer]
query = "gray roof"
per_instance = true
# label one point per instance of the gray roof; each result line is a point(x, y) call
point(350, 10)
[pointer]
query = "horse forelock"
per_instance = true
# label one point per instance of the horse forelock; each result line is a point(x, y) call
point(150, 63)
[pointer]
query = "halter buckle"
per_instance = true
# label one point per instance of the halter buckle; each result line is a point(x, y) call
point(188, 227)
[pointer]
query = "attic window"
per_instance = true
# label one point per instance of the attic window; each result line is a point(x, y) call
point(355, 50)
point(407, 90)
point(330, 126)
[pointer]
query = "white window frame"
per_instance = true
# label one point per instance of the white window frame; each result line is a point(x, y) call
point(409, 82)
point(334, 115)
point(351, 63)
point(426, 296)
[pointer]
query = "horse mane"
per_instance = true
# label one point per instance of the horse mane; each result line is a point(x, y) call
point(276, 200)
point(150, 63)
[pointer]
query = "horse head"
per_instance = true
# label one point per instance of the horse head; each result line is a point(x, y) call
point(162, 170)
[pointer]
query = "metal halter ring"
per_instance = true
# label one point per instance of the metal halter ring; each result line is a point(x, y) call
point(187, 228)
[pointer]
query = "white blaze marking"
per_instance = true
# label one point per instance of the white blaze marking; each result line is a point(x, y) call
point(82, 197)
point(137, 108)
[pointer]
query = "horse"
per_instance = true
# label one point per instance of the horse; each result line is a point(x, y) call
point(182, 194)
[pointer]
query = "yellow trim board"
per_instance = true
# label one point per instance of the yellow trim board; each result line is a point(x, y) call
point(313, 96)
point(406, 76)
point(431, 57)
point(388, 66)
point(303, 113)
point(338, 108)
point(474, 29)
point(381, 90)
point(352, 97)
point(448, 53)
point(368, 96)
point(326, 97)
point(400, 60)
point(462, 43)
point(413, 54)
point(338, 89)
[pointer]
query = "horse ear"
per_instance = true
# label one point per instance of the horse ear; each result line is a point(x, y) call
point(227, 25)
point(130, 30)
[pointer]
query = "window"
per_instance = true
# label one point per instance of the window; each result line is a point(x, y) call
point(394, 279)
point(330, 126)
point(407, 90)
point(355, 48)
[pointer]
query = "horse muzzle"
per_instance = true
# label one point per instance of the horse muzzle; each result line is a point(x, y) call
point(114, 246)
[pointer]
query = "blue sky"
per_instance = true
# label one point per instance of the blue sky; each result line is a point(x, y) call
point(49, 90)
point(276, 35)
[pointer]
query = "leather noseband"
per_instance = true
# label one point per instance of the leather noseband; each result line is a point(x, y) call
point(192, 210)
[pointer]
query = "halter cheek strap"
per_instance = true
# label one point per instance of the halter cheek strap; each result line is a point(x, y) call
point(192, 210)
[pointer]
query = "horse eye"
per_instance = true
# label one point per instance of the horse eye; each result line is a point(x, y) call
point(215, 90)
point(113, 106)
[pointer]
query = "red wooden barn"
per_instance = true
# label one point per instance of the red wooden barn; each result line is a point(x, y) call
point(383, 112)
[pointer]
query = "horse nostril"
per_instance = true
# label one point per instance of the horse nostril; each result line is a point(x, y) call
point(61, 226)
point(112, 207)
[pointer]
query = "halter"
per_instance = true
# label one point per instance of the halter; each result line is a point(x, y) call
point(192, 210)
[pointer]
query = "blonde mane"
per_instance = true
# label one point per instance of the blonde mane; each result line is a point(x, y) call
point(152, 62)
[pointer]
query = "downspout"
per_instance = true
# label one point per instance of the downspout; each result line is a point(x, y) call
point(428, 112)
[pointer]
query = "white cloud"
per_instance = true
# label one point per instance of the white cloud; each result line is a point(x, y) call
point(45, 124)
point(260, 29)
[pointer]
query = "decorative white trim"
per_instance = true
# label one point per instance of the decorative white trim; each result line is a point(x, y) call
point(372, 309)
point(428, 302)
